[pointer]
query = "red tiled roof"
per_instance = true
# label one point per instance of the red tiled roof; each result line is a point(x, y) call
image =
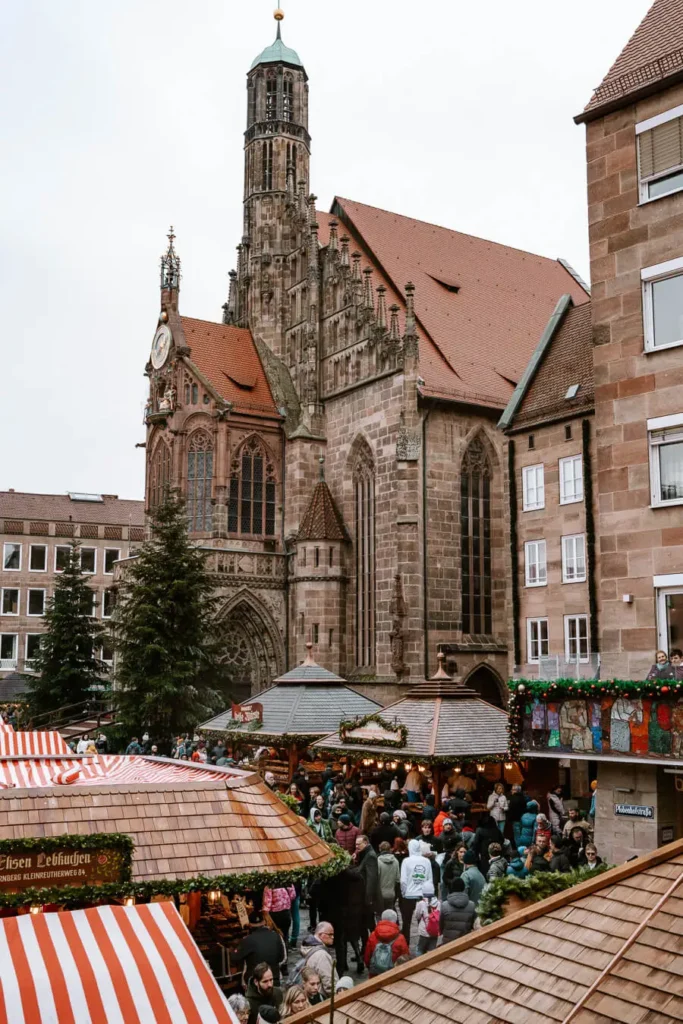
point(110, 511)
point(653, 53)
point(474, 342)
point(227, 357)
point(322, 519)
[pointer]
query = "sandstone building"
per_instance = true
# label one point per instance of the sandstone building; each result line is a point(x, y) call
point(335, 435)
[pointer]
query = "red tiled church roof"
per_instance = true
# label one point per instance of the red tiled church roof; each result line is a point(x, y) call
point(322, 519)
point(653, 54)
point(111, 511)
point(481, 305)
point(226, 356)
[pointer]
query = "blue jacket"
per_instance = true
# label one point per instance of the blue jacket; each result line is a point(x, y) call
point(528, 824)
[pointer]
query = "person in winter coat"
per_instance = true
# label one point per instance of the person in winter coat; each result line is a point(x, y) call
point(472, 878)
point(498, 866)
point(366, 861)
point(392, 796)
point(576, 821)
point(261, 991)
point(559, 861)
point(517, 806)
point(368, 815)
point(527, 831)
point(556, 811)
point(389, 874)
point(487, 833)
point(452, 869)
point(497, 805)
point(400, 850)
point(574, 845)
point(346, 834)
point(278, 903)
point(590, 857)
point(388, 933)
point(385, 832)
point(423, 910)
point(317, 951)
point(427, 836)
point(416, 871)
point(320, 825)
point(400, 820)
point(429, 810)
point(516, 867)
point(261, 945)
point(543, 829)
point(538, 856)
point(449, 837)
point(457, 913)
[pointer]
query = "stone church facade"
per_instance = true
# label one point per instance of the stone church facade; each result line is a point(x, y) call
point(335, 435)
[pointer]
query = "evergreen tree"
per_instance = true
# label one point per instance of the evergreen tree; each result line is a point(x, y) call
point(165, 635)
point(66, 662)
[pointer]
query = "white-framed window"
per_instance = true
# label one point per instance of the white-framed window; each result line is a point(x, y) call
point(36, 602)
point(574, 558)
point(9, 605)
point(660, 154)
point(536, 639)
point(576, 643)
point(533, 489)
point(37, 558)
point(571, 479)
point(665, 435)
point(89, 560)
point(32, 647)
point(11, 557)
point(8, 650)
point(108, 602)
point(95, 603)
point(535, 565)
point(107, 652)
point(62, 554)
point(663, 305)
point(111, 555)
point(669, 611)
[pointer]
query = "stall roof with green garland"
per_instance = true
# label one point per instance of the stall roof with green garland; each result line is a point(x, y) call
point(439, 721)
point(307, 702)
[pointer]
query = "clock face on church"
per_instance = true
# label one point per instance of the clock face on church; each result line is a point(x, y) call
point(160, 346)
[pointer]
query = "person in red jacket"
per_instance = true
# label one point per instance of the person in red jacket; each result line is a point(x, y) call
point(388, 933)
point(346, 833)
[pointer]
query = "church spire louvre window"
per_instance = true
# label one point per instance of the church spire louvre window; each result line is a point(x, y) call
point(475, 525)
point(364, 532)
point(251, 503)
point(199, 483)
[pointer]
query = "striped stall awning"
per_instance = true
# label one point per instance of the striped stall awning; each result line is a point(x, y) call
point(106, 965)
point(13, 744)
point(100, 769)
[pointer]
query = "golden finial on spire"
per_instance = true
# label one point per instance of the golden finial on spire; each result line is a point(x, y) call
point(278, 14)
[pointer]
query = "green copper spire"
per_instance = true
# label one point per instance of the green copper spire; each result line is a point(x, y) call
point(278, 53)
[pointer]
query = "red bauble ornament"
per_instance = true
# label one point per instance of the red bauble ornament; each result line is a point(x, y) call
point(664, 689)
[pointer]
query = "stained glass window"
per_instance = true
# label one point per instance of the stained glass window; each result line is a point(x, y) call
point(199, 483)
point(251, 501)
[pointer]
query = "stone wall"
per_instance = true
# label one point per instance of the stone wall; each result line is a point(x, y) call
point(636, 542)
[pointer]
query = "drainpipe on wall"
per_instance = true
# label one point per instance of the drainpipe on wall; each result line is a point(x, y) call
point(425, 609)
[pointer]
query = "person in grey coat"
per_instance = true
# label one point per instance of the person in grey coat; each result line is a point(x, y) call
point(389, 877)
point(457, 913)
point(498, 865)
point(472, 878)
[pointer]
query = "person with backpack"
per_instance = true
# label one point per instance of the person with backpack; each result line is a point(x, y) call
point(457, 913)
point(385, 945)
point(427, 915)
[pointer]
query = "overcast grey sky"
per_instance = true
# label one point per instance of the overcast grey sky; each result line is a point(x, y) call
point(122, 117)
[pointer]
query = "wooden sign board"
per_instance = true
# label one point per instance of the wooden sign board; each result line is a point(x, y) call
point(245, 713)
point(373, 733)
point(29, 869)
point(241, 908)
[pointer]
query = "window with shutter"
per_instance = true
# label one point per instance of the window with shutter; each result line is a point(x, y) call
point(660, 154)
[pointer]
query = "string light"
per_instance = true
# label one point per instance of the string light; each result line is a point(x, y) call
point(35, 909)
point(129, 901)
point(214, 895)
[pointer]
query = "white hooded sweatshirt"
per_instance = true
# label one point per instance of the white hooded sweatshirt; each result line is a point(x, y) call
point(415, 871)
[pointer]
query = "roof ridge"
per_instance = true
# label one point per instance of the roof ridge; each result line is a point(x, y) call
point(491, 931)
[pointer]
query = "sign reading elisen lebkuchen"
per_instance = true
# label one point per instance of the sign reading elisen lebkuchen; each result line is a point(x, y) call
point(28, 869)
point(245, 713)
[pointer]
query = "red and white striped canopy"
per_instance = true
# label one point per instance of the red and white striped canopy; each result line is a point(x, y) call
point(101, 769)
point(17, 743)
point(107, 965)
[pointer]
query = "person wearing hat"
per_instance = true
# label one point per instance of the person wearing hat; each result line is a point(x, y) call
point(269, 780)
point(343, 985)
point(472, 878)
point(424, 915)
point(416, 871)
point(387, 933)
point(458, 912)
point(346, 834)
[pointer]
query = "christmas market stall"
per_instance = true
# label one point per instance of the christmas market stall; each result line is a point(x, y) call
point(441, 726)
point(83, 831)
point(301, 706)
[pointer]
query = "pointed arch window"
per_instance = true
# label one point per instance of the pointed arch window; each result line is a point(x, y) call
point(271, 98)
point(267, 166)
point(159, 474)
point(475, 525)
point(364, 532)
point(251, 503)
point(199, 483)
point(288, 99)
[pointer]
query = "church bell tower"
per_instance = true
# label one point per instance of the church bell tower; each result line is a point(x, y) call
point(276, 179)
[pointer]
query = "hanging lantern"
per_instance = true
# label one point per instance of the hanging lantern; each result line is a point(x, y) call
point(407, 766)
point(214, 896)
point(380, 765)
point(129, 901)
point(481, 767)
point(35, 908)
point(509, 766)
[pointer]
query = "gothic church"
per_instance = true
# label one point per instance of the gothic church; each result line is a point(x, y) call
point(335, 435)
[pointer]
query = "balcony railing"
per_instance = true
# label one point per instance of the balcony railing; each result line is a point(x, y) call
point(8, 664)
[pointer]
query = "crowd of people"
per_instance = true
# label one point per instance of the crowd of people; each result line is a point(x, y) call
point(414, 881)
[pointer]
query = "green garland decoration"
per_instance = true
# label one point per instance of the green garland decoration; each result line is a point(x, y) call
point(290, 801)
point(414, 758)
point(348, 725)
point(535, 887)
point(252, 881)
point(514, 556)
point(590, 536)
point(276, 738)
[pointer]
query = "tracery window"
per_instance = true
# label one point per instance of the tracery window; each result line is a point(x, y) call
point(199, 483)
point(159, 474)
point(251, 503)
point(475, 525)
point(364, 532)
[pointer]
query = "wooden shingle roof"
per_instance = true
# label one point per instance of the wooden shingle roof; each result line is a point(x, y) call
point(609, 950)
